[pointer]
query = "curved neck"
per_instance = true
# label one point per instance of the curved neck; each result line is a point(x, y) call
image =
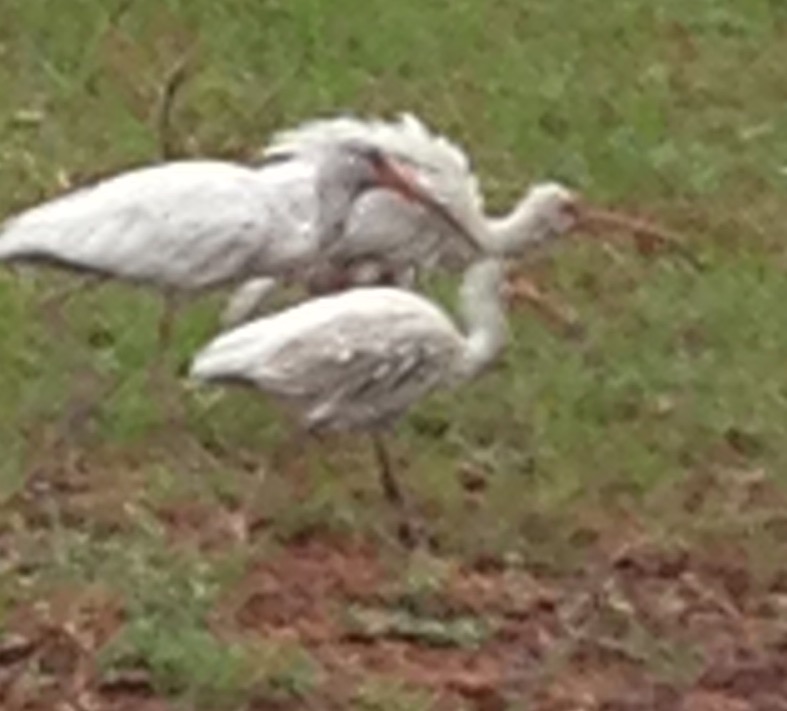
point(335, 202)
point(523, 228)
point(486, 327)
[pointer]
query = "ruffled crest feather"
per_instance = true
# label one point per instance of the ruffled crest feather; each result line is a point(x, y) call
point(440, 162)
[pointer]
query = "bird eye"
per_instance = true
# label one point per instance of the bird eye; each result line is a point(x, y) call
point(360, 148)
point(373, 155)
point(570, 210)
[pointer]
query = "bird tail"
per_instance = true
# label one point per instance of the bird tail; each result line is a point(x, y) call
point(13, 245)
point(23, 239)
point(229, 357)
point(211, 364)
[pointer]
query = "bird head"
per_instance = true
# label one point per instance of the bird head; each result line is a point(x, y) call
point(359, 167)
point(551, 210)
point(556, 208)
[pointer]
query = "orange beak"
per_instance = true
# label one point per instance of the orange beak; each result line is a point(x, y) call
point(395, 176)
point(649, 238)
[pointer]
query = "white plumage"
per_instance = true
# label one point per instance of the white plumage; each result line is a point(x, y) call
point(388, 237)
point(194, 225)
point(381, 225)
point(441, 166)
point(353, 359)
point(358, 360)
point(198, 224)
point(185, 225)
point(350, 360)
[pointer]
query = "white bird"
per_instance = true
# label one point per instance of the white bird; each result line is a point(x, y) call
point(189, 226)
point(385, 238)
point(547, 211)
point(359, 359)
point(388, 238)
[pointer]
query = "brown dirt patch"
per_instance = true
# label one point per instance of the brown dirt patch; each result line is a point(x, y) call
point(658, 630)
point(648, 627)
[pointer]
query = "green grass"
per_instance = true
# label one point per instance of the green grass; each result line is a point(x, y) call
point(673, 108)
point(385, 695)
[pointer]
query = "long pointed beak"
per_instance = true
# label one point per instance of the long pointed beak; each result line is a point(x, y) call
point(649, 238)
point(396, 177)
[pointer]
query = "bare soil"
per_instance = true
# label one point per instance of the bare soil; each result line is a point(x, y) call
point(656, 631)
point(642, 627)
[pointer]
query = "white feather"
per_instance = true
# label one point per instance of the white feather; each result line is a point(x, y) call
point(404, 236)
point(342, 318)
point(189, 224)
point(443, 166)
point(361, 358)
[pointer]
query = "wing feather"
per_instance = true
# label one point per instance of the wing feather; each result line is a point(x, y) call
point(344, 361)
point(188, 224)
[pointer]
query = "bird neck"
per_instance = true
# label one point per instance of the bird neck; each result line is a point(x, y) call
point(486, 326)
point(521, 229)
point(335, 204)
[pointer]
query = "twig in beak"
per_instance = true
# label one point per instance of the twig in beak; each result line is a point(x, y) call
point(558, 315)
point(648, 237)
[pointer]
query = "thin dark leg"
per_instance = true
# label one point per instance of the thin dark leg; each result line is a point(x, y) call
point(392, 490)
point(162, 382)
point(167, 321)
point(391, 487)
point(328, 280)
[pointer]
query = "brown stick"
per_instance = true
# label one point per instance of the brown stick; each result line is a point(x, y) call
point(557, 315)
point(173, 82)
point(648, 237)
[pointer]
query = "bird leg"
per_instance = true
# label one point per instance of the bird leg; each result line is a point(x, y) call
point(167, 321)
point(393, 491)
point(409, 278)
point(372, 272)
point(161, 381)
point(335, 277)
point(328, 279)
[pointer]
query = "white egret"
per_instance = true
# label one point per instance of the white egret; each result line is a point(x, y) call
point(359, 359)
point(388, 239)
point(188, 226)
